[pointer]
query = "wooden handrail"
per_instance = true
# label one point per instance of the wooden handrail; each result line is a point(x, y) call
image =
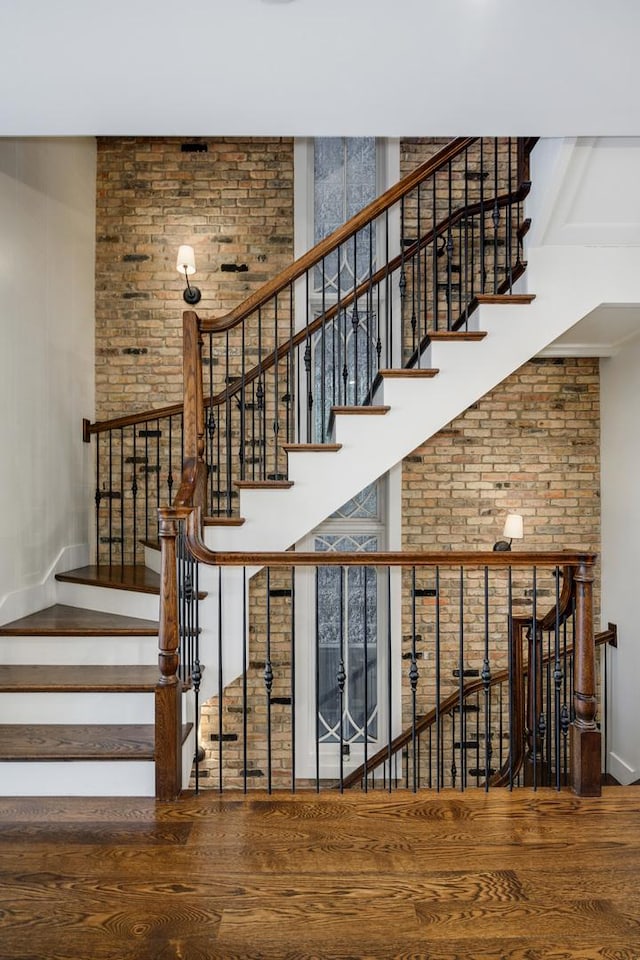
point(300, 266)
point(103, 426)
point(450, 703)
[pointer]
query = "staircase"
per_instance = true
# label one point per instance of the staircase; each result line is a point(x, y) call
point(78, 682)
point(287, 471)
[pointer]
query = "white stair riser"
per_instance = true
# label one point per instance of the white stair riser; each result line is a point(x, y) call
point(78, 778)
point(86, 708)
point(79, 650)
point(127, 603)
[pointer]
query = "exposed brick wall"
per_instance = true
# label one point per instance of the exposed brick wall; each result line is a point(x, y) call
point(233, 204)
point(530, 446)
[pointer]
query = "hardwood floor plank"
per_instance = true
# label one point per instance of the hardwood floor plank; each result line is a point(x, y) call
point(519, 876)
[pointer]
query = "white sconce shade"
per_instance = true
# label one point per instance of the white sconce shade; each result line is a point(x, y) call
point(186, 263)
point(513, 528)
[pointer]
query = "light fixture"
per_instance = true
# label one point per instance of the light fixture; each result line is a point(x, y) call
point(186, 264)
point(513, 529)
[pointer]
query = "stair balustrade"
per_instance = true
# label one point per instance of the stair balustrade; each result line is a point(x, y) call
point(368, 299)
point(417, 677)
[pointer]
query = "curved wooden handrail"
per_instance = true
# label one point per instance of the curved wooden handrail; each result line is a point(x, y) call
point(450, 703)
point(313, 256)
point(300, 266)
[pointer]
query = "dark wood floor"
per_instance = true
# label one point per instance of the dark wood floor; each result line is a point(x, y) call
point(519, 876)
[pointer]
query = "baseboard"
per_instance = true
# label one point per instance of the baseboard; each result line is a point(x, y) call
point(621, 770)
point(38, 596)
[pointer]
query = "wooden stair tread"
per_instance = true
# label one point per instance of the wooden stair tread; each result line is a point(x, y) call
point(64, 621)
point(223, 521)
point(311, 447)
point(361, 411)
point(137, 578)
point(53, 741)
point(453, 335)
point(411, 372)
point(505, 298)
point(263, 484)
point(89, 678)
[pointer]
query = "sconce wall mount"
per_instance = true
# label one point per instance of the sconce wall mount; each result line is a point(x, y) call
point(186, 266)
point(513, 529)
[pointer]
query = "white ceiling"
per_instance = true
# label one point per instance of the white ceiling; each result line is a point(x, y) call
point(313, 67)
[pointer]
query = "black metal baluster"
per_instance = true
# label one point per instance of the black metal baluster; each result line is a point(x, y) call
point(227, 384)
point(369, 309)
point(245, 659)
point(134, 493)
point(495, 216)
point(291, 435)
point(449, 250)
point(243, 405)
point(157, 470)
point(268, 680)
point(276, 396)
point(439, 743)
point(413, 679)
point(98, 499)
point(366, 678)
point(317, 687)
point(355, 323)
point(323, 362)
point(389, 673)
point(341, 675)
point(218, 500)
point(293, 680)
point(486, 684)
point(122, 496)
point(534, 684)
point(220, 684)
point(343, 343)
point(388, 301)
point(467, 293)
point(262, 401)
point(210, 432)
point(253, 448)
point(483, 271)
point(509, 223)
point(196, 675)
point(307, 365)
point(111, 498)
point(511, 681)
point(434, 217)
point(402, 282)
point(463, 723)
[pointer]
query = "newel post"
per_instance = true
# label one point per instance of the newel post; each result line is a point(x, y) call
point(168, 697)
point(585, 736)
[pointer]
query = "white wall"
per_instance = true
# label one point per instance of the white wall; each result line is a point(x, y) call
point(47, 254)
point(620, 425)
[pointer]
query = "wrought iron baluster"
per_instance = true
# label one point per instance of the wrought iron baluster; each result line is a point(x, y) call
point(511, 654)
point(402, 282)
point(307, 364)
point(276, 396)
point(366, 679)
point(434, 218)
point(98, 500)
point(439, 731)
point(341, 674)
point(509, 222)
point(463, 723)
point(389, 674)
point(413, 679)
point(293, 679)
point(243, 405)
point(122, 496)
point(220, 686)
point(495, 216)
point(245, 702)
point(110, 541)
point(483, 271)
point(291, 434)
point(317, 681)
point(134, 493)
point(486, 683)
point(534, 683)
point(268, 680)
point(227, 383)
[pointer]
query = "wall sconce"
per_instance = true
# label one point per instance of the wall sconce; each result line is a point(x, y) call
point(513, 529)
point(186, 264)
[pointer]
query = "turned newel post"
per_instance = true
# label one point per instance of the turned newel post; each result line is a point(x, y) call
point(585, 736)
point(168, 698)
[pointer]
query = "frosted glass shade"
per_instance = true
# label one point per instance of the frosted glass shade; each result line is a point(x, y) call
point(513, 527)
point(186, 262)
